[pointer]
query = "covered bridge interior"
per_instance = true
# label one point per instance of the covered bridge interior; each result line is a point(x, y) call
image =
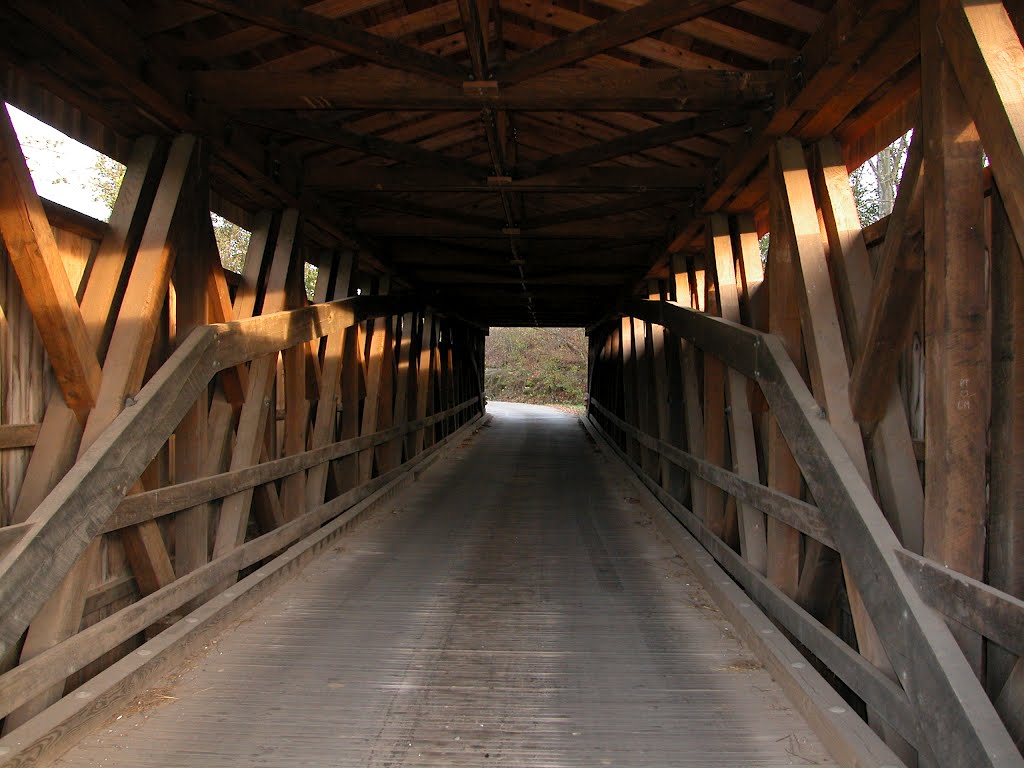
point(826, 424)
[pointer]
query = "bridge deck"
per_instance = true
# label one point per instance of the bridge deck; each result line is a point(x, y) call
point(516, 608)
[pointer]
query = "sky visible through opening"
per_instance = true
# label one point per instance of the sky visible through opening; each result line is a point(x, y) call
point(61, 167)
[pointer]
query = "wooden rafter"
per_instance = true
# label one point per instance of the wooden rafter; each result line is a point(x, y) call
point(339, 36)
point(640, 141)
point(610, 33)
point(369, 144)
point(726, 36)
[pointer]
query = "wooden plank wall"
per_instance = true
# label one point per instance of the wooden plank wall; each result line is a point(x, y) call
point(155, 275)
point(907, 334)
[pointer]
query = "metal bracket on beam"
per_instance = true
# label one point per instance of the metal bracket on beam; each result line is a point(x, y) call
point(487, 88)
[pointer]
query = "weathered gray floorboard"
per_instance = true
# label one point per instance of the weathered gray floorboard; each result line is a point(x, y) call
point(516, 608)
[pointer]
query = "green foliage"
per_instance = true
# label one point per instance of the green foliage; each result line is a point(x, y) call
point(865, 195)
point(876, 182)
point(106, 180)
point(232, 242)
point(309, 278)
point(536, 365)
point(763, 244)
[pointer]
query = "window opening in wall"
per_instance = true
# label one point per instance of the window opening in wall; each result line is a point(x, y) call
point(310, 273)
point(65, 170)
point(876, 182)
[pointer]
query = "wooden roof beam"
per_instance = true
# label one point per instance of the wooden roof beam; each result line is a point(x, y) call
point(402, 205)
point(338, 136)
point(432, 228)
point(371, 87)
point(339, 36)
point(602, 210)
point(589, 180)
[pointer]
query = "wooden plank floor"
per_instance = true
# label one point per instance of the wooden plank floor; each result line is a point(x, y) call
point(516, 607)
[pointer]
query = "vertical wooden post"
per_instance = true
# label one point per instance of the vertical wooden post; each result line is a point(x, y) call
point(644, 371)
point(630, 398)
point(956, 341)
point(659, 364)
point(347, 474)
point(698, 289)
point(617, 380)
point(403, 384)
point(423, 358)
point(296, 402)
point(253, 419)
point(330, 386)
point(448, 365)
point(386, 403)
point(691, 387)
point(740, 421)
point(1006, 517)
point(191, 276)
point(899, 484)
point(436, 381)
point(750, 269)
point(783, 474)
point(379, 333)
point(715, 448)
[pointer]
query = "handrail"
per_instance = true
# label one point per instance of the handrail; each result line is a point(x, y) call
point(36, 675)
point(76, 509)
point(805, 517)
point(965, 729)
point(169, 499)
point(997, 615)
point(877, 690)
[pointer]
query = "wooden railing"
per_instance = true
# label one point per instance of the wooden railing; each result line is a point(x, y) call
point(933, 700)
point(90, 499)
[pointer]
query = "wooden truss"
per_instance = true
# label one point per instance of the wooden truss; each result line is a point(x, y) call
point(840, 423)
